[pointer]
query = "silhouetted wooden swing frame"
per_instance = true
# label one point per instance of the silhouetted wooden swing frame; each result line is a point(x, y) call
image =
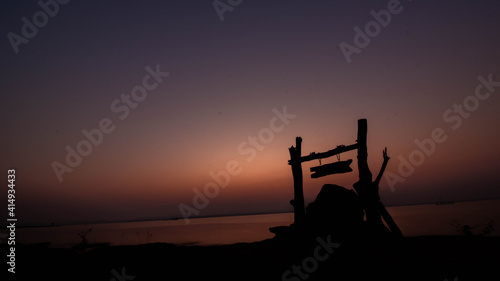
point(365, 176)
point(296, 160)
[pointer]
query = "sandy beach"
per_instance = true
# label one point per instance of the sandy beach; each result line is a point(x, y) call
point(416, 258)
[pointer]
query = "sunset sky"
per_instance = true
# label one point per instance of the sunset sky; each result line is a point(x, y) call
point(226, 81)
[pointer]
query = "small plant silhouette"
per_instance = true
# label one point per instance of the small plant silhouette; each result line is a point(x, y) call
point(83, 236)
point(467, 229)
point(489, 227)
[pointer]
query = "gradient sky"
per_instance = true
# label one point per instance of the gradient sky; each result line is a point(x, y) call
point(225, 79)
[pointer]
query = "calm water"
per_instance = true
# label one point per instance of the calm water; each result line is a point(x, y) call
point(413, 220)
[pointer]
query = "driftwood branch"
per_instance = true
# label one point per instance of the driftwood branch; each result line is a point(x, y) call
point(381, 208)
point(382, 169)
point(388, 219)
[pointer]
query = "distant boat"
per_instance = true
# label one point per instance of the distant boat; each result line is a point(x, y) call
point(441, 202)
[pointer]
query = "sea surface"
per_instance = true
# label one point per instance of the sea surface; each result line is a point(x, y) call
point(414, 220)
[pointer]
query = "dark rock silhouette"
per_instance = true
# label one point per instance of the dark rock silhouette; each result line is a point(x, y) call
point(336, 211)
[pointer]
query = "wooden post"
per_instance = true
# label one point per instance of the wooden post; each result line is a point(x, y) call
point(365, 176)
point(296, 163)
point(364, 186)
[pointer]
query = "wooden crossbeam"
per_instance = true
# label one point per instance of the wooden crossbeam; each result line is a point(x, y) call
point(339, 149)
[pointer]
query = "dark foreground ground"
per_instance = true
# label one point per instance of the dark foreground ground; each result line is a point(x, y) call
point(417, 258)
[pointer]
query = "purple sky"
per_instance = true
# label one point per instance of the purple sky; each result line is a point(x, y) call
point(226, 77)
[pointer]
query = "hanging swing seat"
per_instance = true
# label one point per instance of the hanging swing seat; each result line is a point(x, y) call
point(338, 167)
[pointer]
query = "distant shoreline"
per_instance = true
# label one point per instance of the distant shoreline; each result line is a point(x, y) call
point(32, 225)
